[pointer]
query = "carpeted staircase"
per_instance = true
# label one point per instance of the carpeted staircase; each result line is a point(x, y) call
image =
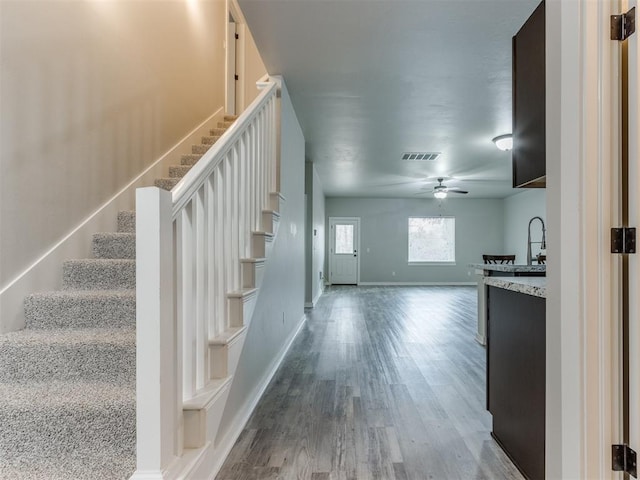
point(67, 381)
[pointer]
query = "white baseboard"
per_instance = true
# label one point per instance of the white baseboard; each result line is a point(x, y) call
point(414, 284)
point(45, 272)
point(212, 460)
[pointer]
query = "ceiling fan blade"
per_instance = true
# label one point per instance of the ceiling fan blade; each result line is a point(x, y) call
point(456, 190)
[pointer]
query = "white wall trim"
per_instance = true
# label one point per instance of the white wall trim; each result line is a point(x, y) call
point(415, 284)
point(45, 272)
point(212, 460)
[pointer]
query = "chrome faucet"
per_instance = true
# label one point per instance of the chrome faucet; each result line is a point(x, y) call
point(543, 243)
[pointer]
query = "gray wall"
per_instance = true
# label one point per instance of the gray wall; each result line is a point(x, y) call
point(280, 304)
point(384, 237)
point(315, 235)
point(518, 210)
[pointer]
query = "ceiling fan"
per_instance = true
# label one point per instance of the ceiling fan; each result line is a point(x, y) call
point(440, 191)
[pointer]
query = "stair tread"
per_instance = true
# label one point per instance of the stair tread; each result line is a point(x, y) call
point(253, 260)
point(69, 336)
point(228, 335)
point(207, 394)
point(245, 292)
point(97, 293)
point(50, 395)
point(100, 261)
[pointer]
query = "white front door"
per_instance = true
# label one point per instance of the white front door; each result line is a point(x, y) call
point(343, 252)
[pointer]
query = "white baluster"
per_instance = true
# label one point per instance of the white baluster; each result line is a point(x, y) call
point(212, 231)
point(200, 289)
point(226, 228)
point(186, 299)
point(219, 249)
point(233, 221)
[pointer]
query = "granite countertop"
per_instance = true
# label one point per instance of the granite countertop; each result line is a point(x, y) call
point(509, 268)
point(536, 286)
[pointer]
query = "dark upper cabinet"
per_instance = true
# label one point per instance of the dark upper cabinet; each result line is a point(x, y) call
point(528, 155)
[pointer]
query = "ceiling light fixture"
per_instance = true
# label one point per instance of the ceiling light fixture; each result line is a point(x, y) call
point(440, 194)
point(504, 142)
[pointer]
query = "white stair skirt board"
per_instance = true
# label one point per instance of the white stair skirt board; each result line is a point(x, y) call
point(211, 459)
point(44, 273)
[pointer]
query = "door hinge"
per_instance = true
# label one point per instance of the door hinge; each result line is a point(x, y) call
point(623, 459)
point(623, 240)
point(622, 26)
point(236, 77)
point(237, 36)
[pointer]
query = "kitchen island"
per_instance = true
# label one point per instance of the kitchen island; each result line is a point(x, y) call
point(483, 270)
point(516, 368)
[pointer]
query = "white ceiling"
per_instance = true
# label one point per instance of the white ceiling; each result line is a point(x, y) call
point(371, 79)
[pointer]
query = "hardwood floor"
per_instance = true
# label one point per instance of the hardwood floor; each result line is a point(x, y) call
point(382, 383)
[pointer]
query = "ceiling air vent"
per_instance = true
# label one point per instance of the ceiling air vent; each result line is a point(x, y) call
point(421, 156)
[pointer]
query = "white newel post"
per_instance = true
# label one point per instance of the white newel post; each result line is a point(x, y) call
point(158, 409)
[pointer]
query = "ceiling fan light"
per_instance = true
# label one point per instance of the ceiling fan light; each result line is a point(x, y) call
point(440, 194)
point(504, 142)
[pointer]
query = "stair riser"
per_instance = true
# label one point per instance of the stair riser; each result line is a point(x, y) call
point(275, 202)
point(260, 245)
point(209, 140)
point(114, 246)
point(52, 432)
point(115, 364)
point(190, 159)
point(166, 183)
point(127, 222)
point(240, 310)
point(217, 132)
point(225, 124)
point(178, 171)
point(223, 359)
point(252, 274)
point(270, 222)
point(230, 118)
point(51, 311)
point(200, 149)
point(87, 275)
point(201, 426)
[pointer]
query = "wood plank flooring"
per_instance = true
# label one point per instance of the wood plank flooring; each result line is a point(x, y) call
point(382, 383)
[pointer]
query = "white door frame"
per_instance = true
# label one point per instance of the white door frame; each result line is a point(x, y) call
point(234, 60)
point(356, 220)
point(582, 147)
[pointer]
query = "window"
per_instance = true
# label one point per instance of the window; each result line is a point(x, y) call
point(432, 239)
point(344, 239)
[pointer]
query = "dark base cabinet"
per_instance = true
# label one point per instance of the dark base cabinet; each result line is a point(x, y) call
point(516, 377)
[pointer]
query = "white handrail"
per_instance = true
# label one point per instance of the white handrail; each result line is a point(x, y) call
point(184, 189)
point(189, 247)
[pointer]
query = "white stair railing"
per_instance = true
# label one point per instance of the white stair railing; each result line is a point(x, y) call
point(190, 243)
